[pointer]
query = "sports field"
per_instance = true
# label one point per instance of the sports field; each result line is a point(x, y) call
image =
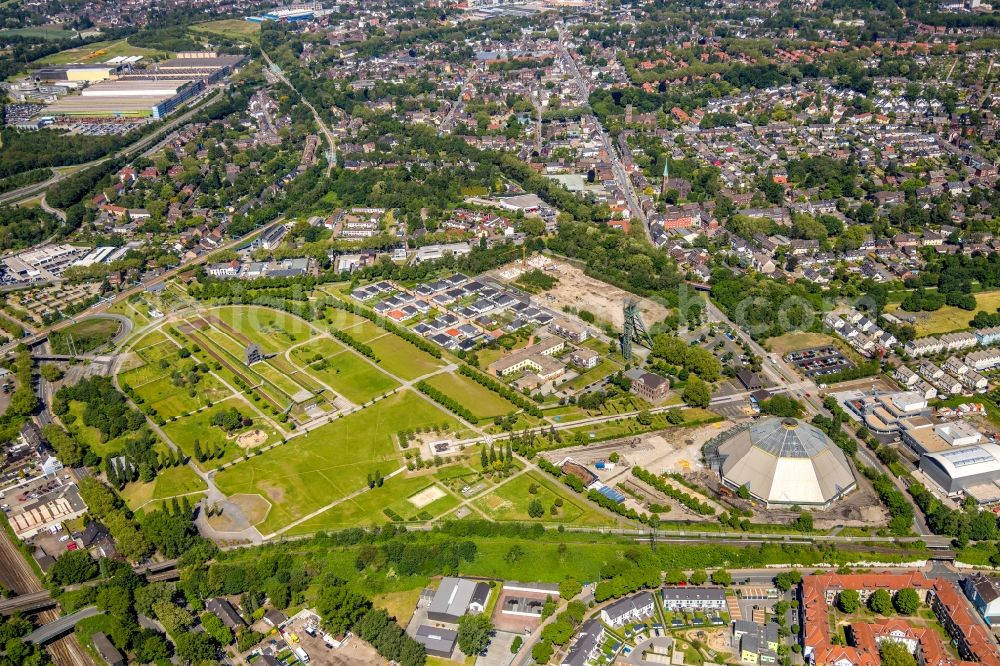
point(332, 461)
point(948, 319)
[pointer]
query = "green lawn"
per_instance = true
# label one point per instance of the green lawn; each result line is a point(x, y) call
point(598, 372)
point(171, 400)
point(235, 29)
point(331, 461)
point(509, 501)
point(88, 434)
point(171, 482)
point(949, 318)
point(84, 336)
point(402, 359)
point(97, 52)
point(198, 427)
point(364, 330)
point(273, 330)
point(369, 507)
point(344, 371)
point(481, 401)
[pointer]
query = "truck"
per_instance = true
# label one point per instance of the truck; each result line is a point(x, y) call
point(301, 654)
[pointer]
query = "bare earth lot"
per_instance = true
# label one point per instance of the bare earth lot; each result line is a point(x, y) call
point(577, 290)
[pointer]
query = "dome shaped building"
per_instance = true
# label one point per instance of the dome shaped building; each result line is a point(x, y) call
point(785, 462)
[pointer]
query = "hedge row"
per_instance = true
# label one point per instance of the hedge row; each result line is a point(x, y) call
point(670, 491)
point(355, 344)
point(404, 333)
point(447, 402)
point(507, 393)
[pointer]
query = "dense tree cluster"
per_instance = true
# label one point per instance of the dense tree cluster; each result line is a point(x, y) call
point(105, 408)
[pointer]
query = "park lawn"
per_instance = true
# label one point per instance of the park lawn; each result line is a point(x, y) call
point(133, 311)
point(185, 431)
point(154, 345)
point(172, 482)
point(279, 380)
point(402, 359)
point(482, 402)
point(235, 29)
point(364, 331)
point(342, 319)
point(273, 330)
point(352, 376)
point(97, 52)
point(300, 377)
point(223, 341)
point(598, 372)
point(176, 400)
point(90, 435)
point(509, 501)
point(370, 507)
point(332, 461)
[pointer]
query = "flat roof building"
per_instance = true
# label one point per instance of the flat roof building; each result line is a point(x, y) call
point(437, 641)
point(960, 469)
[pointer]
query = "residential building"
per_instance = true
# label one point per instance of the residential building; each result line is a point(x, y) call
point(456, 597)
point(571, 330)
point(694, 598)
point(650, 386)
point(984, 593)
point(584, 358)
point(629, 609)
point(587, 645)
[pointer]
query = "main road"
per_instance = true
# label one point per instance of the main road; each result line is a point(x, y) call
point(621, 178)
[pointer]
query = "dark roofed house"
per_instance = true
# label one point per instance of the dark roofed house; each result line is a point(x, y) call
point(225, 612)
point(437, 642)
point(984, 593)
point(588, 644)
point(274, 617)
point(108, 652)
point(750, 380)
point(651, 386)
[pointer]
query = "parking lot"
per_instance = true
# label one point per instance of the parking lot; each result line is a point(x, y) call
point(819, 361)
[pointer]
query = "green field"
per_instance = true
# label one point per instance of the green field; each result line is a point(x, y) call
point(97, 52)
point(402, 359)
point(344, 371)
point(509, 501)
point(369, 507)
point(171, 482)
point(171, 400)
point(84, 336)
point(482, 402)
point(198, 427)
point(948, 318)
point(271, 329)
point(39, 31)
point(598, 372)
point(331, 461)
point(88, 434)
point(363, 330)
point(235, 29)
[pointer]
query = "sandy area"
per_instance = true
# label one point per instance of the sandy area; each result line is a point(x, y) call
point(577, 290)
point(251, 438)
point(426, 496)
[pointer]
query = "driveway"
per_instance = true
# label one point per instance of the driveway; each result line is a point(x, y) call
point(498, 653)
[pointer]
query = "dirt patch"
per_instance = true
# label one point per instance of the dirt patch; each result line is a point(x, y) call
point(274, 493)
point(426, 496)
point(254, 507)
point(130, 361)
point(579, 291)
point(251, 438)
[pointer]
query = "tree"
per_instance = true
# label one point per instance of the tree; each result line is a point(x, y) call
point(542, 652)
point(894, 653)
point(698, 577)
point(151, 646)
point(784, 581)
point(880, 602)
point(340, 608)
point(849, 601)
point(907, 601)
point(474, 633)
point(75, 566)
point(696, 393)
point(216, 629)
point(535, 508)
point(516, 644)
point(196, 646)
point(722, 577)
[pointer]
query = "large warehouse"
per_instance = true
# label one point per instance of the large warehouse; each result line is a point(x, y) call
point(140, 99)
point(786, 462)
point(965, 468)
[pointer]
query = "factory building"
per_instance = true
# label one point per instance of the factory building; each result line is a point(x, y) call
point(76, 73)
point(971, 470)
